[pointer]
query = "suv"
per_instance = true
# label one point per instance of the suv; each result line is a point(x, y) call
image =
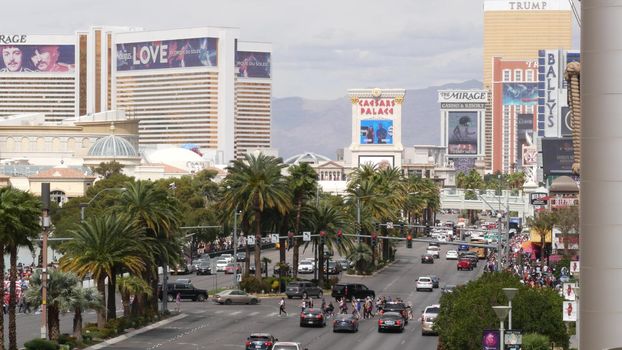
point(260, 341)
point(424, 283)
point(428, 318)
point(464, 264)
point(352, 291)
point(185, 289)
point(302, 289)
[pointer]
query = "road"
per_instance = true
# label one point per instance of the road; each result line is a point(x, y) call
point(211, 326)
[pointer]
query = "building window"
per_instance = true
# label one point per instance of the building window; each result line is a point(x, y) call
point(518, 75)
point(506, 75)
point(529, 75)
point(58, 197)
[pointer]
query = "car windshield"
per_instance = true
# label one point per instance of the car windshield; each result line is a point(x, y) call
point(204, 264)
point(427, 279)
point(259, 337)
point(432, 310)
point(342, 317)
point(285, 347)
point(221, 262)
point(391, 315)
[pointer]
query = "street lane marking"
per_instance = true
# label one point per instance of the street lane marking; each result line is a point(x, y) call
point(254, 313)
point(235, 313)
point(272, 314)
point(219, 312)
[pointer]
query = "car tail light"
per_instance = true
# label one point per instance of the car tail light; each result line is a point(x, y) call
point(380, 322)
point(398, 322)
point(302, 315)
point(248, 343)
point(268, 343)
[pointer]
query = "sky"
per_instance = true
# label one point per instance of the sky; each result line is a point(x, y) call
point(321, 48)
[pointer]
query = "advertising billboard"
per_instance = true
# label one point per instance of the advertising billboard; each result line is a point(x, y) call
point(462, 132)
point(376, 132)
point(252, 64)
point(463, 164)
point(177, 53)
point(566, 127)
point(491, 339)
point(376, 106)
point(381, 161)
point(570, 311)
point(37, 58)
point(551, 92)
point(557, 156)
point(525, 94)
point(524, 134)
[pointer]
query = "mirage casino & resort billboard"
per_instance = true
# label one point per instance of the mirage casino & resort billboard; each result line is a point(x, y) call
point(176, 53)
point(46, 58)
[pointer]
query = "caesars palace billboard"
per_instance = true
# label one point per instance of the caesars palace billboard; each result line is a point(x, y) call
point(175, 53)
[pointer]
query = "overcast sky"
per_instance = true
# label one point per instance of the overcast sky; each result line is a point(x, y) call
point(321, 48)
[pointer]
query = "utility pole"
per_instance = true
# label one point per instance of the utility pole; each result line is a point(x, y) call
point(45, 224)
point(235, 247)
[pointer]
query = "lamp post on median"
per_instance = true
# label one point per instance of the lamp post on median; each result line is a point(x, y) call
point(502, 313)
point(510, 293)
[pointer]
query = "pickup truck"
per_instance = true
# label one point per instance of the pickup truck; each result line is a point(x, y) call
point(351, 291)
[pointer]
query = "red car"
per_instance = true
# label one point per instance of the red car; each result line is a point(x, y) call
point(230, 268)
point(464, 264)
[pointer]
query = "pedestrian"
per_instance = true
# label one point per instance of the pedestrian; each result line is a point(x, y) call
point(178, 302)
point(282, 307)
point(303, 305)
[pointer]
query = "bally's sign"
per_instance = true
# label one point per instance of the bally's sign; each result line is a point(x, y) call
point(465, 96)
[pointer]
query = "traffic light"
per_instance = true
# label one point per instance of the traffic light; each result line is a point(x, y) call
point(409, 241)
point(290, 240)
point(339, 235)
point(322, 237)
point(428, 230)
point(374, 239)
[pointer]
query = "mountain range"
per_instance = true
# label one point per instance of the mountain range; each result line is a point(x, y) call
point(323, 126)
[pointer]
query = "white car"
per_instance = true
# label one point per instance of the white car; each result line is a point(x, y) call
point(287, 345)
point(434, 251)
point(424, 283)
point(306, 267)
point(221, 264)
point(451, 255)
point(309, 260)
point(227, 257)
point(428, 318)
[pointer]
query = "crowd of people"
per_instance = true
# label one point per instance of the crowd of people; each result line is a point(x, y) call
point(361, 308)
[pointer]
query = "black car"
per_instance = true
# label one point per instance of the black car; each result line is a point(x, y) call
point(351, 291)
point(427, 259)
point(303, 289)
point(312, 317)
point(260, 341)
point(346, 322)
point(396, 307)
point(435, 281)
point(185, 289)
point(204, 268)
point(391, 321)
point(333, 268)
point(240, 256)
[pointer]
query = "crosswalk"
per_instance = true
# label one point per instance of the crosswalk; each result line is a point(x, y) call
point(245, 313)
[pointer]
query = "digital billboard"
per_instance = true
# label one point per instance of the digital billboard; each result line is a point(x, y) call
point(462, 132)
point(252, 64)
point(178, 53)
point(525, 94)
point(376, 132)
point(37, 58)
point(524, 134)
point(557, 156)
point(491, 339)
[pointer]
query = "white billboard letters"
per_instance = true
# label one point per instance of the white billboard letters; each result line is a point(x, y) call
point(551, 123)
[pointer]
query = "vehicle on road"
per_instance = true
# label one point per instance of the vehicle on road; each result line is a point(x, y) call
point(221, 264)
point(471, 256)
point(182, 269)
point(427, 259)
point(260, 341)
point(435, 281)
point(231, 268)
point(464, 264)
point(197, 262)
point(391, 321)
point(346, 322)
point(481, 252)
point(424, 283)
point(312, 317)
point(185, 289)
point(303, 289)
point(204, 268)
point(227, 257)
point(428, 318)
point(463, 248)
point(306, 267)
point(234, 296)
point(345, 263)
point(451, 255)
point(252, 269)
point(240, 256)
point(333, 268)
point(352, 290)
point(396, 307)
point(434, 251)
point(287, 346)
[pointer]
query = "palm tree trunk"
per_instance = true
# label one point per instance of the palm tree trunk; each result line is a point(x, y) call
point(101, 313)
point(296, 255)
point(77, 324)
point(53, 321)
point(2, 292)
point(125, 300)
point(112, 303)
point(12, 297)
point(258, 244)
point(320, 268)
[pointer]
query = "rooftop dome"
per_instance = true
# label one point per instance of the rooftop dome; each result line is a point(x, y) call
point(564, 184)
point(112, 147)
point(308, 157)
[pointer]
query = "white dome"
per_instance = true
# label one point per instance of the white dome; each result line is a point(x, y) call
point(112, 147)
point(177, 157)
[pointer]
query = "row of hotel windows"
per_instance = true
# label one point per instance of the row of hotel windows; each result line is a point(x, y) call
point(529, 74)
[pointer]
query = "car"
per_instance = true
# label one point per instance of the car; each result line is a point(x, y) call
point(204, 268)
point(397, 307)
point(435, 281)
point(434, 251)
point(451, 255)
point(345, 263)
point(464, 264)
point(448, 288)
point(287, 346)
point(260, 341)
point(352, 290)
point(424, 283)
point(471, 256)
point(276, 270)
point(227, 257)
point(185, 289)
point(183, 269)
point(303, 289)
point(308, 260)
point(306, 267)
point(240, 257)
point(430, 313)
point(427, 259)
point(221, 264)
point(197, 262)
point(333, 268)
point(391, 321)
point(345, 322)
point(234, 296)
point(312, 317)
point(231, 268)
point(434, 244)
point(463, 247)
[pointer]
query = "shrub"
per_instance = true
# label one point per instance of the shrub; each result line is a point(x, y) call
point(251, 284)
point(40, 344)
point(275, 285)
point(535, 341)
point(68, 340)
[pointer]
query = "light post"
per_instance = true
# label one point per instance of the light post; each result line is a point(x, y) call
point(510, 293)
point(502, 313)
point(499, 217)
point(45, 225)
point(84, 205)
point(358, 218)
point(235, 246)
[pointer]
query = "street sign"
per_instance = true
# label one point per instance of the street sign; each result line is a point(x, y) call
point(274, 238)
point(238, 277)
point(306, 236)
point(389, 225)
point(539, 198)
point(250, 240)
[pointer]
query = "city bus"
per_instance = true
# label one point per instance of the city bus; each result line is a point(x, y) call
point(482, 252)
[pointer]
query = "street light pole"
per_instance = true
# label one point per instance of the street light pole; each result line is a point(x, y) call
point(502, 313)
point(358, 218)
point(235, 246)
point(45, 224)
point(510, 293)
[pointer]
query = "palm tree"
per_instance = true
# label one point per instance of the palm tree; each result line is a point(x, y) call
point(516, 180)
point(131, 286)
point(567, 220)
point(255, 184)
point(79, 300)
point(302, 182)
point(327, 220)
point(19, 217)
point(101, 247)
point(470, 182)
point(542, 224)
point(361, 256)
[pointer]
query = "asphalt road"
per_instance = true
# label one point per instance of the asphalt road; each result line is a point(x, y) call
point(211, 326)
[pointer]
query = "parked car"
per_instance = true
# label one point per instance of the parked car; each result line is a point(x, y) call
point(435, 281)
point(260, 341)
point(185, 289)
point(303, 289)
point(427, 259)
point(204, 268)
point(464, 264)
point(234, 296)
point(345, 322)
point(424, 283)
point(352, 290)
point(428, 318)
point(451, 255)
point(391, 321)
point(312, 317)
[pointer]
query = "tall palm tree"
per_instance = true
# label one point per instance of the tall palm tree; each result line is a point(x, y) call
point(303, 184)
point(470, 182)
point(101, 247)
point(79, 300)
point(327, 219)
point(542, 223)
point(131, 286)
point(361, 257)
point(19, 223)
point(255, 184)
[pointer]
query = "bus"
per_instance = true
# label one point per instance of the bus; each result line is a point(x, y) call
point(482, 252)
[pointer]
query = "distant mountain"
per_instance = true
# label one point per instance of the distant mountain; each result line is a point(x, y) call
point(323, 126)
